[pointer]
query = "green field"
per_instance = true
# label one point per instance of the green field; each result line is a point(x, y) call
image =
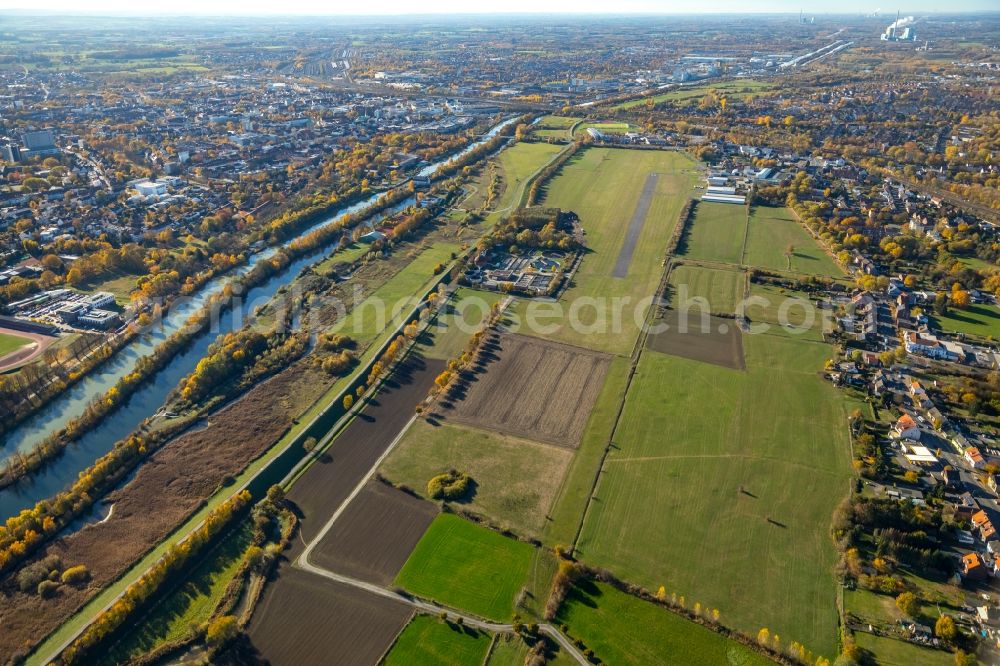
point(516, 480)
point(607, 128)
point(378, 310)
point(11, 343)
point(192, 603)
point(716, 233)
point(428, 640)
point(979, 320)
point(622, 629)
point(468, 567)
point(786, 312)
point(554, 126)
point(520, 162)
point(602, 186)
point(689, 94)
point(693, 435)
point(772, 232)
point(890, 652)
point(721, 288)
point(464, 314)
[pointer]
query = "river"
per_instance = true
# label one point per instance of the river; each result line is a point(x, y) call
point(151, 396)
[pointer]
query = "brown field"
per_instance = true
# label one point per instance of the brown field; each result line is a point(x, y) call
point(307, 619)
point(168, 488)
point(373, 537)
point(530, 388)
point(720, 343)
point(329, 481)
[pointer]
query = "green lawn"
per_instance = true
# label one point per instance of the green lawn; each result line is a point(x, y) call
point(772, 232)
point(979, 320)
point(716, 233)
point(721, 288)
point(11, 343)
point(602, 186)
point(428, 640)
point(191, 603)
point(468, 567)
point(622, 629)
point(691, 436)
point(554, 126)
point(508, 650)
point(383, 306)
point(890, 652)
point(689, 94)
point(464, 314)
point(516, 479)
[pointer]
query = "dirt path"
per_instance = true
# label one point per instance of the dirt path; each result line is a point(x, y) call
point(635, 226)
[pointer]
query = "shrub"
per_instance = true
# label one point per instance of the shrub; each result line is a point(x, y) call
point(449, 486)
point(47, 589)
point(30, 576)
point(75, 575)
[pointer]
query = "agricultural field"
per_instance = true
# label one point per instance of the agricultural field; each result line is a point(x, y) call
point(371, 540)
point(529, 388)
point(715, 233)
point(722, 289)
point(292, 622)
point(739, 89)
point(516, 479)
point(737, 495)
point(430, 641)
point(622, 629)
point(585, 186)
point(382, 307)
point(980, 320)
point(468, 567)
point(699, 336)
point(775, 231)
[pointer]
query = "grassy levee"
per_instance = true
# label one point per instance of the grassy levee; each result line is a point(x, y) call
point(603, 186)
point(428, 641)
point(737, 476)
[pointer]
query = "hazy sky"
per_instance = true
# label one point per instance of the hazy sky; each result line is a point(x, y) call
point(220, 7)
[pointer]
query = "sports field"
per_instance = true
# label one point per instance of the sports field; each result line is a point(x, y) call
point(604, 187)
point(428, 640)
point(516, 479)
point(716, 233)
point(468, 567)
point(722, 289)
point(622, 629)
point(737, 474)
point(773, 232)
point(10, 343)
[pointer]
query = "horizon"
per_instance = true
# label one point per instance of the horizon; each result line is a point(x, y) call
point(516, 8)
